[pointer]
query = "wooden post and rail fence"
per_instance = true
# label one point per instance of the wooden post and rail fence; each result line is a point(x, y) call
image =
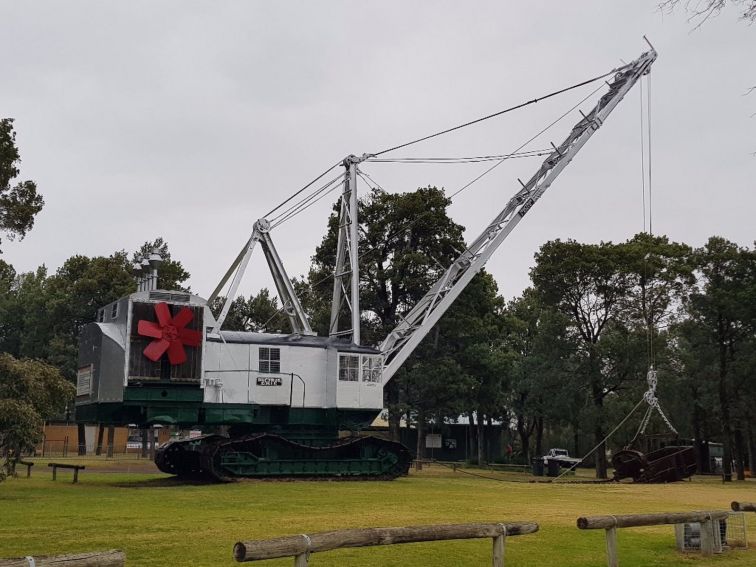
point(301, 546)
point(112, 558)
point(612, 523)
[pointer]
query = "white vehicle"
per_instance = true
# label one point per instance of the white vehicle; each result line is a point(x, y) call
point(562, 456)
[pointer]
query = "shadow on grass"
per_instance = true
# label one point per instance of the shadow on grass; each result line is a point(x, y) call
point(165, 482)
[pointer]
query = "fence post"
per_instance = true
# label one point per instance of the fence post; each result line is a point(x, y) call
point(301, 560)
point(707, 538)
point(612, 560)
point(65, 446)
point(498, 549)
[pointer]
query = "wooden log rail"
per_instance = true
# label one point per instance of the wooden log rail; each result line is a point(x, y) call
point(611, 523)
point(112, 558)
point(301, 546)
point(76, 469)
point(744, 506)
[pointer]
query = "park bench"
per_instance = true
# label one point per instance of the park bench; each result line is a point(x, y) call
point(28, 465)
point(76, 469)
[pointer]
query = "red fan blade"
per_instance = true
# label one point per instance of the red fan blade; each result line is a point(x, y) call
point(156, 349)
point(163, 314)
point(190, 337)
point(176, 354)
point(149, 329)
point(183, 318)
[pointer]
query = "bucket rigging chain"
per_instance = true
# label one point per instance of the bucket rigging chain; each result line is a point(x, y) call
point(653, 404)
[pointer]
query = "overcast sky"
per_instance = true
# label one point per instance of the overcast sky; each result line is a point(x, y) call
point(190, 120)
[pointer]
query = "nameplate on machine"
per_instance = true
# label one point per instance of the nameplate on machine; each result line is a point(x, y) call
point(269, 381)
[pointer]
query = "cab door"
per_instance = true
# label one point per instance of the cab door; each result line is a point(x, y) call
point(348, 383)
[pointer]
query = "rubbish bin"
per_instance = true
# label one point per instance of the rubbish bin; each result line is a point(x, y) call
point(537, 467)
point(553, 468)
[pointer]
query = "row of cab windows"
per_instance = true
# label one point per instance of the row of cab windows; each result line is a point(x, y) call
point(350, 371)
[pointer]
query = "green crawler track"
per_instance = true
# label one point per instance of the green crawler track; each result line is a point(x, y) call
point(265, 455)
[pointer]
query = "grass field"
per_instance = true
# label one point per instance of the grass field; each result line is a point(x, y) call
point(157, 522)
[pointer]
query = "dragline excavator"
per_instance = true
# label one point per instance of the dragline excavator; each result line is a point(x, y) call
point(287, 401)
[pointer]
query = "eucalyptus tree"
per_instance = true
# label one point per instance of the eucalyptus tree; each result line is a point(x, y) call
point(722, 309)
point(19, 201)
point(406, 240)
point(587, 283)
point(30, 392)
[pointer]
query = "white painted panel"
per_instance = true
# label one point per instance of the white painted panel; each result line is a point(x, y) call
point(270, 389)
point(310, 365)
point(226, 373)
point(371, 395)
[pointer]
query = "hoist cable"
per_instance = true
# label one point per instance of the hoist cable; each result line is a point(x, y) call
point(648, 118)
point(307, 202)
point(642, 154)
point(495, 114)
point(306, 199)
point(469, 159)
point(304, 208)
point(411, 222)
point(604, 440)
point(318, 178)
point(650, 196)
point(497, 164)
point(647, 321)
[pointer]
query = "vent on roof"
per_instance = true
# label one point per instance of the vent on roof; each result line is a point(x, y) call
point(167, 296)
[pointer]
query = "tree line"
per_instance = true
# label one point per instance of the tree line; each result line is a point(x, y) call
point(562, 363)
point(567, 359)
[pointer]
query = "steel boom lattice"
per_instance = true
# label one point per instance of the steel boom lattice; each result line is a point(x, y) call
point(400, 343)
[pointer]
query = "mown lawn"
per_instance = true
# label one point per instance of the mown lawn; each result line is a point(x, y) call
point(160, 523)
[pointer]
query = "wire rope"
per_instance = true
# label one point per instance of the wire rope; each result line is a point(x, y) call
point(309, 201)
point(490, 169)
point(411, 222)
point(499, 113)
point(455, 160)
point(604, 440)
point(318, 178)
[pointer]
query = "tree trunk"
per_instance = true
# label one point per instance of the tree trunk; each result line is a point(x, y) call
point(471, 455)
point(145, 442)
point(524, 432)
point(420, 447)
point(576, 438)
point(82, 438)
point(739, 454)
point(539, 436)
point(597, 393)
point(489, 439)
point(724, 404)
point(481, 439)
point(751, 449)
point(394, 414)
point(100, 434)
point(702, 452)
point(598, 432)
point(111, 440)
